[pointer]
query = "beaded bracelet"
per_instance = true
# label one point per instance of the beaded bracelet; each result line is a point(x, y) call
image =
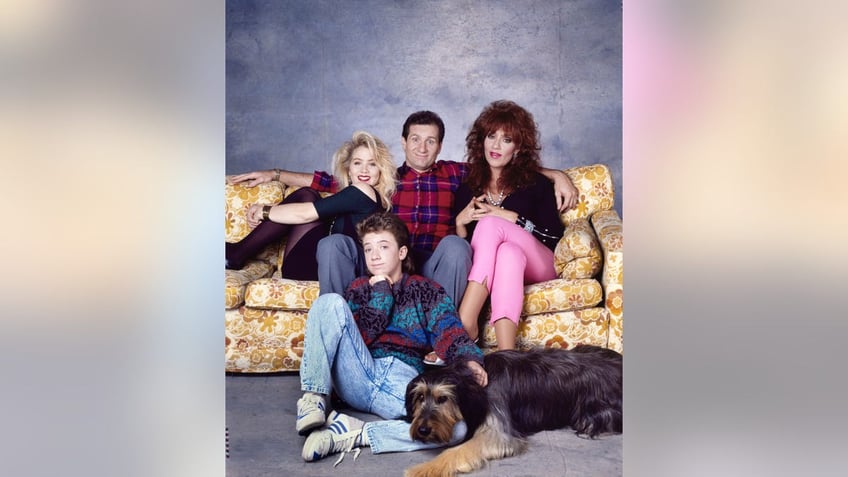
point(529, 226)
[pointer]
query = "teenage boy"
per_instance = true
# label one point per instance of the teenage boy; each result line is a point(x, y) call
point(369, 344)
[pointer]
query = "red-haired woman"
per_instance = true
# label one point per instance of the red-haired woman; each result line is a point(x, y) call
point(510, 216)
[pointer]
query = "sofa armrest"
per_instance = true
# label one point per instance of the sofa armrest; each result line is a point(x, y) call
point(238, 198)
point(578, 253)
point(608, 227)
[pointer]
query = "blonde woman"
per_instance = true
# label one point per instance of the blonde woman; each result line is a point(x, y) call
point(366, 175)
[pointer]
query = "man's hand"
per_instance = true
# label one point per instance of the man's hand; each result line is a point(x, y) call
point(252, 179)
point(479, 373)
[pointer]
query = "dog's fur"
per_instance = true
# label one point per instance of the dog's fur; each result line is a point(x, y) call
point(528, 391)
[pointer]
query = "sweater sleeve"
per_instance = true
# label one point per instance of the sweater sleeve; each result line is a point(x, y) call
point(450, 341)
point(371, 307)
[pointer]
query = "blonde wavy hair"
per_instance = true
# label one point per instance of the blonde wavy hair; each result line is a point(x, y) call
point(387, 183)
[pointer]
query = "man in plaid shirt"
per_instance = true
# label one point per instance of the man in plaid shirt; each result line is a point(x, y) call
point(424, 201)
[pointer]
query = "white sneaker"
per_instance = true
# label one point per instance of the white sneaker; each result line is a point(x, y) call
point(311, 413)
point(342, 434)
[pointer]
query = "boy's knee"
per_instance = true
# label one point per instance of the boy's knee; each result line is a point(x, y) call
point(325, 307)
point(328, 300)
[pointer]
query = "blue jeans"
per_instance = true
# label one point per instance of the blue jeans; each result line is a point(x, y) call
point(393, 436)
point(340, 261)
point(335, 357)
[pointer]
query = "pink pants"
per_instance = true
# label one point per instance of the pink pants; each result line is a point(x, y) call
point(506, 257)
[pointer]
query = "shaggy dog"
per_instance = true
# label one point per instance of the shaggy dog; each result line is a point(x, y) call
point(528, 391)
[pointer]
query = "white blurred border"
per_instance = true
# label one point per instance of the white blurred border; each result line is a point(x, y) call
point(735, 148)
point(112, 138)
point(111, 135)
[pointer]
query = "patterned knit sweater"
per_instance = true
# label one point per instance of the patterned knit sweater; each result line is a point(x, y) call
point(409, 319)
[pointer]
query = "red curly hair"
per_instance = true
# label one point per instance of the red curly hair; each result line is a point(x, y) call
point(517, 123)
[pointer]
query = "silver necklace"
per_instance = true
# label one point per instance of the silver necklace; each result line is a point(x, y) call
point(491, 199)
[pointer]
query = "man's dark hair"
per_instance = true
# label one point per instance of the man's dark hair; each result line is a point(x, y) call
point(424, 118)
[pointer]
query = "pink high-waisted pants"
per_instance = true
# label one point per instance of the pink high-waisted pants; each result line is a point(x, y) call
point(506, 257)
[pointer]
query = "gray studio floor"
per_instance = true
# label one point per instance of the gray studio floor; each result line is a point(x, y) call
point(263, 442)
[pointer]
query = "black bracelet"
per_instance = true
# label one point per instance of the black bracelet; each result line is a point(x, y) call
point(265, 211)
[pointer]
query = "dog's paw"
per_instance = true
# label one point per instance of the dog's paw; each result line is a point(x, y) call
point(427, 469)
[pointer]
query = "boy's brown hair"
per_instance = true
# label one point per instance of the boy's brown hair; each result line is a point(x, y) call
point(388, 222)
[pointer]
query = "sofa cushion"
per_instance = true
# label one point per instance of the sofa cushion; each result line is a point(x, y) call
point(236, 281)
point(561, 295)
point(578, 253)
point(281, 294)
point(263, 341)
point(565, 329)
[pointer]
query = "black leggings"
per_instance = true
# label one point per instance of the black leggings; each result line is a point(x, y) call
point(299, 262)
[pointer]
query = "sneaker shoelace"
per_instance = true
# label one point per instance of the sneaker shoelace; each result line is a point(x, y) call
point(346, 445)
point(355, 452)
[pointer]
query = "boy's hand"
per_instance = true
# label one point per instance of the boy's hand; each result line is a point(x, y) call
point(479, 373)
point(378, 278)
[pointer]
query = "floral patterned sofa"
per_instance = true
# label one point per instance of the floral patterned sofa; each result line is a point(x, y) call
point(265, 315)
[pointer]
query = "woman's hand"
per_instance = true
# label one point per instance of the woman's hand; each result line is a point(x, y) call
point(252, 179)
point(479, 373)
point(254, 215)
point(469, 213)
point(485, 209)
point(378, 278)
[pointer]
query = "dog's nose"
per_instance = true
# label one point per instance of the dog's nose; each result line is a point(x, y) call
point(424, 431)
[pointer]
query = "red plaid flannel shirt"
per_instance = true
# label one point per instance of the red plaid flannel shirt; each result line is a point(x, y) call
point(424, 201)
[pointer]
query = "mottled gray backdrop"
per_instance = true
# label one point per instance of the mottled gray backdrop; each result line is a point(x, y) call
point(301, 76)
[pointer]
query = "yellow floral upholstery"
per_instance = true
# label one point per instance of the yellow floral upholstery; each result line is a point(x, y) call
point(610, 234)
point(236, 281)
point(263, 341)
point(561, 295)
point(557, 330)
point(282, 294)
point(578, 253)
point(239, 198)
point(596, 191)
point(266, 315)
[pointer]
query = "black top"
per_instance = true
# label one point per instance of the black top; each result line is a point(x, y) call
point(535, 203)
point(347, 208)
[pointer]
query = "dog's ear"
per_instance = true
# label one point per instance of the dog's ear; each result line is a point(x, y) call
point(410, 398)
point(473, 402)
